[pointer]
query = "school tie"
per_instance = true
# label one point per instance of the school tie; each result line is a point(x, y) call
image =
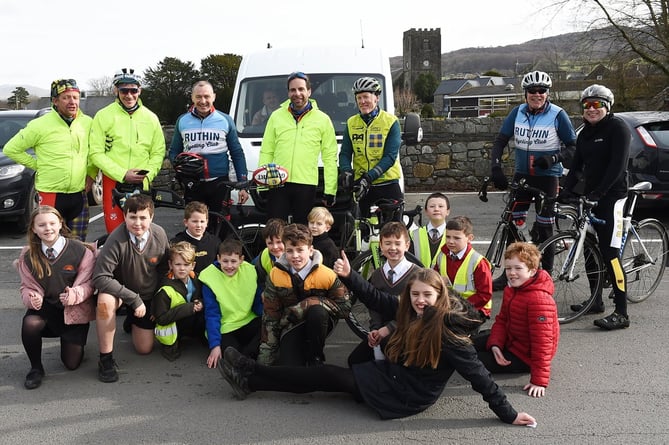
point(454, 257)
point(50, 253)
point(138, 243)
point(434, 235)
point(391, 275)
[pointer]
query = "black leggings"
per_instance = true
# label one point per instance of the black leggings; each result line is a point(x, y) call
point(300, 380)
point(291, 199)
point(604, 210)
point(31, 335)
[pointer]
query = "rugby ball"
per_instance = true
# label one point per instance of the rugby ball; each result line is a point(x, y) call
point(270, 175)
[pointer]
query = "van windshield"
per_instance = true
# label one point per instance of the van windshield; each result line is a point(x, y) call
point(332, 92)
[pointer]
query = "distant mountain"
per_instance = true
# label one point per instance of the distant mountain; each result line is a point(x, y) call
point(6, 90)
point(575, 51)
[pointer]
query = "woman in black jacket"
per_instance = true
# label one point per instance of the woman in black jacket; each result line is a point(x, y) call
point(602, 151)
point(430, 342)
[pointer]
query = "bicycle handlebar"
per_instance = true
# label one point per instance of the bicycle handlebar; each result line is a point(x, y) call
point(514, 186)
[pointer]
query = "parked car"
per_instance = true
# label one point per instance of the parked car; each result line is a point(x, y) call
point(18, 197)
point(649, 152)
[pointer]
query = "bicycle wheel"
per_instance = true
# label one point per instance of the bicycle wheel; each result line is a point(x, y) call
point(644, 258)
point(251, 238)
point(495, 252)
point(358, 319)
point(580, 284)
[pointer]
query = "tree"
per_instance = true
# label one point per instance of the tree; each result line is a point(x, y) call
point(19, 98)
point(221, 71)
point(166, 89)
point(425, 86)
point(643, 25)
point(102, 86)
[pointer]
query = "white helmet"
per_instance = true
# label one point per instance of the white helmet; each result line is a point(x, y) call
point(126, 75)
point(536, 79)
point(598, 92)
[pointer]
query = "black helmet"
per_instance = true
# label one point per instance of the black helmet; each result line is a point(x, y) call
point(190, 165)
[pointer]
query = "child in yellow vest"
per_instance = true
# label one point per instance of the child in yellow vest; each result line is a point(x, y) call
point(177, 305)
point(232, 304)
point(427, 241)
point(467, 270)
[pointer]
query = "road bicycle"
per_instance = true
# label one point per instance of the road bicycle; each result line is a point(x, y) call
point(508, 230)
point(250, 235)
point(361, 244)
point(579, 272)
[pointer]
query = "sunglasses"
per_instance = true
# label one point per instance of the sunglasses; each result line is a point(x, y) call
point(537, 90)
point(596, 104)
point(129, 90)
point(297, 75)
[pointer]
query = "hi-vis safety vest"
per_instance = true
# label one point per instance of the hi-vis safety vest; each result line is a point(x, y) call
point(167, 334)
point(368, 143)
point(266, 261)
point(421, 247)
point(464, 277)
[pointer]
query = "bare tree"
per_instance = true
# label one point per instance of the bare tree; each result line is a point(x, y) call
point(641, 25)
point(102, 86)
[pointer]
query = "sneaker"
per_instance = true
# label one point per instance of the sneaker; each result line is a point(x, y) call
point(34, 378)
point(596, 308)
point(499, 283)
point(235, 378)
point(171, 352)
point(613, 321)
point(236, 359)
point(107, 371)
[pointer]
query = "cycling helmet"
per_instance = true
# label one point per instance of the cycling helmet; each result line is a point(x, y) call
point(598, 92)
point(367, 85)
point(190, 165)
point(126, 75)
point(536, 79)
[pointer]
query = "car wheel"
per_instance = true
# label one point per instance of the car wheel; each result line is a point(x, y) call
point(31, 204)
point(95, 193)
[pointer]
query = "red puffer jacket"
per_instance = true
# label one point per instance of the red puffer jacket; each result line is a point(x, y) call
point(527, 325)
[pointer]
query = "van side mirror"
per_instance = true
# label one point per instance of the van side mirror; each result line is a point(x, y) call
point(413, 132)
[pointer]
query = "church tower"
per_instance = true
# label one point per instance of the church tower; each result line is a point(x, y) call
point(421, 54)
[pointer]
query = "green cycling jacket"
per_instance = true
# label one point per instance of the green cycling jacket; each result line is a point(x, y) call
point(297, 146)
point(61, 159)
point(120, 141)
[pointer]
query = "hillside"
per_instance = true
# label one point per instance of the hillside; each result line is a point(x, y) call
point(570, 52)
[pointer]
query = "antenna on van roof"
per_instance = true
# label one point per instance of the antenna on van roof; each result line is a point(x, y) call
point(362, 38)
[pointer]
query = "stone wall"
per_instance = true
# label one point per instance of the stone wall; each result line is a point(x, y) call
point(453, 156)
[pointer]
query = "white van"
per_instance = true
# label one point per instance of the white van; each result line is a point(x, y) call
point(331, 70)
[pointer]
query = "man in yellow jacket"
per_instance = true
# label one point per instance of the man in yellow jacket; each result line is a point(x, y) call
point(127, 143)
point(297, 133)
point(60, 143)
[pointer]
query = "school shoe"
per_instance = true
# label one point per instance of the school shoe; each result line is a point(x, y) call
point(34, 378)
point(613, 321)
point(236, 359)
point(171, 352)
point(107, 370)
point(235, 378)
point(596, 308)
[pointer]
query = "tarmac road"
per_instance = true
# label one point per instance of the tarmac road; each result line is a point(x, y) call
point(606, 387)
